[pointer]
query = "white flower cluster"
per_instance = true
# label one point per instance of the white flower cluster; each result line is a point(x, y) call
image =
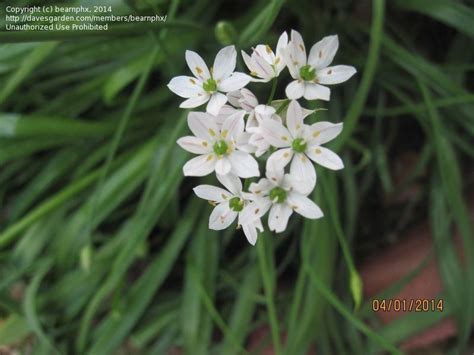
point(236, 129)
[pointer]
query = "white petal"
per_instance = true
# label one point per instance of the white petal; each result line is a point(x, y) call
point(221, 217)
point(289, 57)
point(279, 159)
point(224, 63)
point(265, 52)
point(264, 112)
point(304, 206)
point(299, 48)
point(231, 183)
point(325, 157)
point(294, 118)
point(316, 92)
point(323, 132)
point(233, 125)
point(234, 82)
point(278, 217)
point(197, 65)
point(262, 68)
point(194, 145)
point(233, 97)
point(295, 89)
point(250, 233)
point(279, 60)
point(275, 133)
point(223, 166)
point(248, 101)
point(275, 175)
point(185, 86)
point(212, 193)
point(200, 166)
point(249, 62)
point(215, 103)
point(303, 174)
point(254, 211)
point(195, 101)
point(260, 188)
point(243, 164)
point(336, 74)
point(323, 52)
point(203, 125)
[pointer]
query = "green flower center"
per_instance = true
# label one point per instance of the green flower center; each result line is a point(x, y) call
point(299, 145)
point(220, 147)
point(210, 85)
point(307, 73)
point(277, 194)
point(236, 204)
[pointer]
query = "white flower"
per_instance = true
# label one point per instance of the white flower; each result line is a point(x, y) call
point(264, 63)
point(217, 147)
point(209, 85)
point(299, 142)
point(309, 74)
point(229, 204)
point(280, 194)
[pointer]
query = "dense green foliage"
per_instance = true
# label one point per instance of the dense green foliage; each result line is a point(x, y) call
point(103, 246)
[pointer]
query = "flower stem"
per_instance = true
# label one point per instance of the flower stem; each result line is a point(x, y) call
point(272, 93)
point(268, 284)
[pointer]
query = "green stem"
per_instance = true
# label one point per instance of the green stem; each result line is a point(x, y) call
point(269, 290)
point(272, 93)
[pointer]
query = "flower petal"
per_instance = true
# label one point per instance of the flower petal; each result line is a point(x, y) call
point(294, 118)
point(221, 217)
point(250, 233)
point(233, 125)
point(215, 103)
point(279, 61)
point(234, 82)
point(223, 166)
point(304, 206)
point(289, 57)
point(275, 133)
point(299, 48)
point(231, 183)
point(260, 188)
point(197, 65)
point(212, 193)
point(295, 89)
point(336, 74)
point(325, 157)
point(264, 112)
point(279, 159)
point(323, 52)
point(254, 211)
point(203, 125)
point(200, 166)
point(185, 86)
point(262, 68)
point(195, 101)
point(323, 132)
point(275, 175)
point(303, 174)
point(224, 63)
point(248, 100)
point(243, 164)
point(194, 145)
point(279, 216)
point(316, 92)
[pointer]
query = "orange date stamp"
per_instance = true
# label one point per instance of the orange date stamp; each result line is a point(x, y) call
point(408, 305)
